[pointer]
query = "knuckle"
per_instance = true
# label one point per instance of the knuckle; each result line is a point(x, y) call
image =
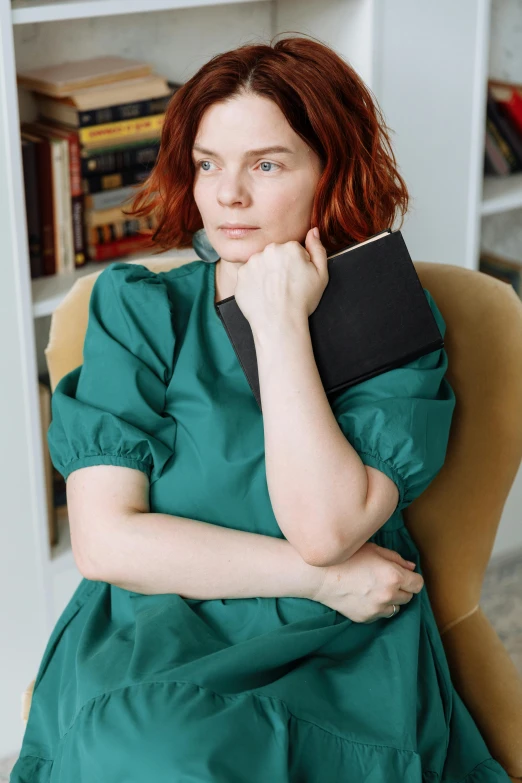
point(393, 577)
point(388, 595)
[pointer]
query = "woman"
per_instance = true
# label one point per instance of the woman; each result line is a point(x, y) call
point(248, 611)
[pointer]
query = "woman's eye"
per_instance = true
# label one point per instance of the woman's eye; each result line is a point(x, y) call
point(264, 162)
point(269, 163)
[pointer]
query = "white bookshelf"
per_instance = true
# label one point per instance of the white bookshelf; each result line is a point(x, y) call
point(502, 194)
point(395, 47)
point(29, 12)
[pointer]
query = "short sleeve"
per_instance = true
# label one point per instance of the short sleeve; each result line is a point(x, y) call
point(399, 421)
point(111, 409)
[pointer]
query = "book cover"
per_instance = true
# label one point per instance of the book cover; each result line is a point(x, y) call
point(125, 131)
point(65, 77)
point(119, 248)
point(109, 103)
point(119, 158)
point(108, 182)
point(506, 136)
point(74, 186)
point(32, 204)
point(373, 316)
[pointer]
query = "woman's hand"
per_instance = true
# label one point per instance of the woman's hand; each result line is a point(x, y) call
point(365, 586)
point(282, 281)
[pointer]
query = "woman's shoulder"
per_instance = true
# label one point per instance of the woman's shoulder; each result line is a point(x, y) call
point(125, 280)
point(120, 273)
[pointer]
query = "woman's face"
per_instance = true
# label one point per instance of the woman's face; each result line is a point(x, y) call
point(234, 183)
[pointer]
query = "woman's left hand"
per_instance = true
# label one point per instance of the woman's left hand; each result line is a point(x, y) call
point(282, 281)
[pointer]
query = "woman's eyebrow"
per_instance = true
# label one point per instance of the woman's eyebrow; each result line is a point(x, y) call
point(248, 153)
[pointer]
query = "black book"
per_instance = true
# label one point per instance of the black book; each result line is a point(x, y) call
point(373, 316)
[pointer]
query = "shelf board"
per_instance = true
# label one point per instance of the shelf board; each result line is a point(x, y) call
point(49, 290)
point(31, 11)
point(501, 194)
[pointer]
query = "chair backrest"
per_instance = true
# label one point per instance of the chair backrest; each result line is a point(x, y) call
point(454, 522)
point(64, 350)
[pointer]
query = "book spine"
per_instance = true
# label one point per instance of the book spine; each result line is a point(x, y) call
point(117, 159)
point(513, 110)
point(494, 157)
point(47, 206)
point(32, 207)
point(111, 181)
point(508, 134)
point(67, 208)
point(119, 248)
point(100, 217)
point(503, 146)
point(108, 199)
point(122, 111)
point(57, 156)
point(76, 200)
point(123, 130)
point(110, 232)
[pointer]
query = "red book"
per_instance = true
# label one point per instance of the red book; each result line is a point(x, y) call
point(119, 248)
point(509, 100)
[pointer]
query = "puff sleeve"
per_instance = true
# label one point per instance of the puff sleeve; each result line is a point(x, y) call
point(399, 421)
point(110, 409)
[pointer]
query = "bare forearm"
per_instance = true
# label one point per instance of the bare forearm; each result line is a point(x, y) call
point(155, 553)
point(316, 479)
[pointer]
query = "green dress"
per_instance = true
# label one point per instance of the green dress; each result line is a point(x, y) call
point(136, 688)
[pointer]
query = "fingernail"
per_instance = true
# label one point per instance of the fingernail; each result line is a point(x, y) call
point(316, 232)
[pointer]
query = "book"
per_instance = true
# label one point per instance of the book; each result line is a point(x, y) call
point(74, 187)
point(373, 316)
point(32, 203)
point(119, 158)
point(64, 78)
point(122, 132)
point(509, 101)
point(120, 247)
point(109, 102)
point(44, 184)
point(118, 181)
point(107, 199)
point(110, 232)
point(495, 163)
point(506, 136)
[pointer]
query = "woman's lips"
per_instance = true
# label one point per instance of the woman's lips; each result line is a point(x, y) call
point(237, 233)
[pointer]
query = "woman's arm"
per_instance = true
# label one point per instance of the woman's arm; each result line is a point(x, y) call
point(115, 538)
point(326, 501)
point(159, 553)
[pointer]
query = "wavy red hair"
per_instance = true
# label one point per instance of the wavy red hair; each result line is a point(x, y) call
point(324, 101)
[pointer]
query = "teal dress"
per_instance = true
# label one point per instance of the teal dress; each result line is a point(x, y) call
point(136, 688)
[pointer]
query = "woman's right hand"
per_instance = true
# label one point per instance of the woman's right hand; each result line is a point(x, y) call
point(364, 587)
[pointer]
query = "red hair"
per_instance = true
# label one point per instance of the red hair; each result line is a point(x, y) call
point(325, 102)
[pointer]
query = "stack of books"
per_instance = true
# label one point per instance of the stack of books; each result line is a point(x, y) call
point(503, 148)
point(95, 141)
